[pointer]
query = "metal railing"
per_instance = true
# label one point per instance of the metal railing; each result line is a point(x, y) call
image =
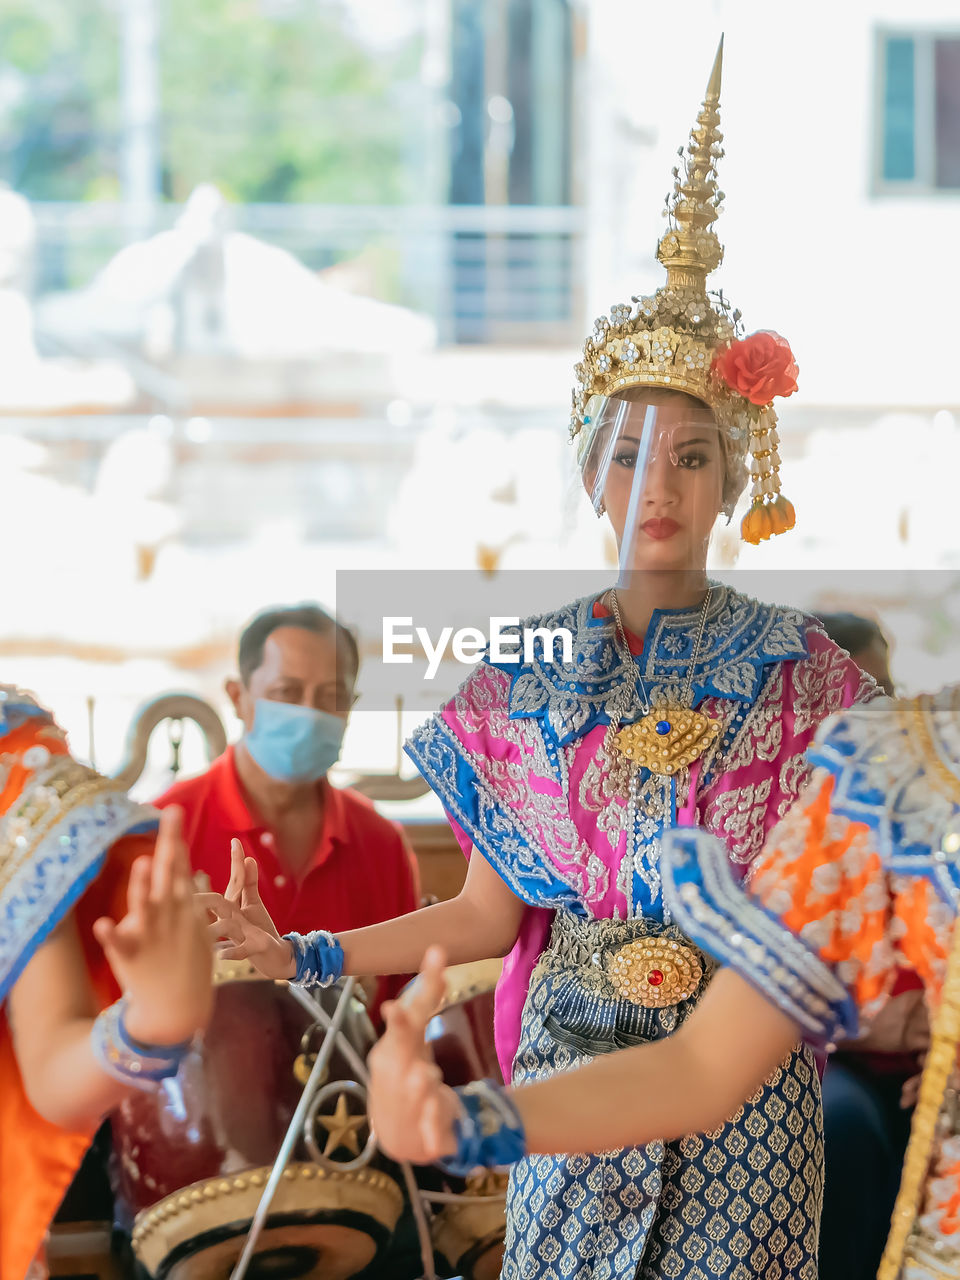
point(499, 274)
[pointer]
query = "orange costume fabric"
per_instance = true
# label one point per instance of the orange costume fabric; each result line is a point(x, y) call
point(67, 841)
point(826, 881)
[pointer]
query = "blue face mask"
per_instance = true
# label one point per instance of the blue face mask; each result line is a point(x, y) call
point(294, 744)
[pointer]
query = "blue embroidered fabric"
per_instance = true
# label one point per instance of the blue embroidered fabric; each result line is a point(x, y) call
point(742, 637)
point(714, 911)
point(319, 958)
point(741, 1202)
point(491, 827)
point(743, 640)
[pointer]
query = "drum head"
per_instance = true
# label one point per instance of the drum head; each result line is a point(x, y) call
point(323, 1225)
point(196, 1154)
point(291, 1252)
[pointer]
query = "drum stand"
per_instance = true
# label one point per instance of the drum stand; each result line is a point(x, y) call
point(421, 1201)
point(300, 1123)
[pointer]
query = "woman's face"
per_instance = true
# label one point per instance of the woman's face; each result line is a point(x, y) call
point(657, 464)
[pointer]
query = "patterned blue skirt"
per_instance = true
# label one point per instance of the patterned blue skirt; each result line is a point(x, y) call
point(739, 1203)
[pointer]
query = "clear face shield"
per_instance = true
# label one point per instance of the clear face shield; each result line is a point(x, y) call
point(657, 466)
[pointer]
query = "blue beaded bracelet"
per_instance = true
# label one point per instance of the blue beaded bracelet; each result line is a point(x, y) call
point(489, 1130)
point(125, 1059)
point(319, 958)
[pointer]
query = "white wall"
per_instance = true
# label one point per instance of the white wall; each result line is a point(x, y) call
point(866, 288)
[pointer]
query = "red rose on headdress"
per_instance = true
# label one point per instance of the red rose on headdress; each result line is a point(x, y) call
point(759, 367)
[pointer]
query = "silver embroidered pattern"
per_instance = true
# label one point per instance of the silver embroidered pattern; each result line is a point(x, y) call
point(742, 636)
point(511, 834)
point(645, 821)
point(41, 891)
point(532, 714)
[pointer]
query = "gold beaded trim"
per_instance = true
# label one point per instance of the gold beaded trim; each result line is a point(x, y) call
point(914, 719)
point(45, 802)
point(905, 1235)
point(184, 1214)
point(655, 972)
point(226, 971)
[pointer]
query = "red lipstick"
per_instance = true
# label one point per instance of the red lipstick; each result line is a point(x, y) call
point(660, 528)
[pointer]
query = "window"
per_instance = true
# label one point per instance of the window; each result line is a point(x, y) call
point(918, 139)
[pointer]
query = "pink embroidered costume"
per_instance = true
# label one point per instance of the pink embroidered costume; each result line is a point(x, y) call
point(517, 758)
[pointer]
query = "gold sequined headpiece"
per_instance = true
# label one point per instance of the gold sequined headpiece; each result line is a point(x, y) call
point(686, 339)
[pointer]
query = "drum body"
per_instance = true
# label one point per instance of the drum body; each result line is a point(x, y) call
point(469, 1222)
point(191, 1159)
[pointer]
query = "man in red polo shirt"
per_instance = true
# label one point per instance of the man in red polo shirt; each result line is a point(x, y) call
point(326, 858)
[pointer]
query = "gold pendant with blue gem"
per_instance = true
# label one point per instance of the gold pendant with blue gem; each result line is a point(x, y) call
point(667, 739)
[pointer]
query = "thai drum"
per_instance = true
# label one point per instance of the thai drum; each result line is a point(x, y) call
point(192, 1158)
point(468, 1214)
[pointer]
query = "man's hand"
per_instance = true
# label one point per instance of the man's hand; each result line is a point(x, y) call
point(242, 928)
point(159, 952)
point(411, 1110)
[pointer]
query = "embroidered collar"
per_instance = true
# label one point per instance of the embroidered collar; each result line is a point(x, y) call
point(66, 840)
point(884, 781)
point(741, 637)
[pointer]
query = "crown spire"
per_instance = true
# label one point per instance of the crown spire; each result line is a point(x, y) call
point(690, 250)
point(684, 339)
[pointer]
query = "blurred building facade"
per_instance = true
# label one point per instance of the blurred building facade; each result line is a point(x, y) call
point(219, 401)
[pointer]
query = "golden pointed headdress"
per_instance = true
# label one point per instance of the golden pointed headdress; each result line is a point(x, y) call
point(686, 339)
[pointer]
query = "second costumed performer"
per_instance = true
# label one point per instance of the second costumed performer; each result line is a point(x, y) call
point(859, 883)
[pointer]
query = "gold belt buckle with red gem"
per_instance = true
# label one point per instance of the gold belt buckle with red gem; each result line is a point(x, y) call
point(655, 972)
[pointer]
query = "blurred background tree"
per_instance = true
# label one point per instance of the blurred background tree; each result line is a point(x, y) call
point(59, 77)
point(274, 102)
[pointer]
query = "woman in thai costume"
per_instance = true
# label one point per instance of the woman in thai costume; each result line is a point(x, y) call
point(859, 883)
point(90, 1008)
point(682, 701)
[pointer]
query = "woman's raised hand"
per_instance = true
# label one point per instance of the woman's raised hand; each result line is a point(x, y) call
point(411, 1110)
point(159, 952)
point(241, 928)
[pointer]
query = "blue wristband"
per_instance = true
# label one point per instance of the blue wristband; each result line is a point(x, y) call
point(489, 1130)
point(125, 1059)
point(319, 958)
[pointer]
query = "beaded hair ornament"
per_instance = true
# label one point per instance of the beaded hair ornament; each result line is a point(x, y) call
point(686, 339)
